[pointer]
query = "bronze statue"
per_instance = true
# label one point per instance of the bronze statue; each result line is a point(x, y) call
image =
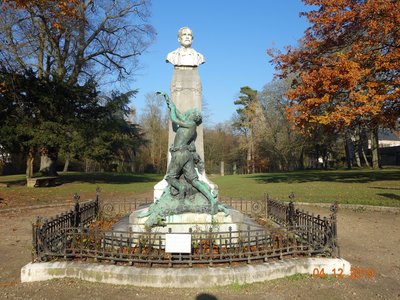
point(183, 153)
point(185, 191)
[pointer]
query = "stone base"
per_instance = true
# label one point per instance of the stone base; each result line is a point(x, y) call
point(161, 185)
point(228, 226)
point(180, 277)
point(197, 221)
point(159, 189)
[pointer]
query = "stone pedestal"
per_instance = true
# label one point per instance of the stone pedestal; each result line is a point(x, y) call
point(186, 94)
point(201, 223)
point(160, 186)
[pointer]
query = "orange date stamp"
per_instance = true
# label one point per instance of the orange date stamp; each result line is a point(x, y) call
point(355, 273)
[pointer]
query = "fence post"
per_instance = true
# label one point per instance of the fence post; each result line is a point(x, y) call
point(335, 246)
point(97, 209)
point(77, 215)
point(291, 213)
point(35, 243)
point(291, 209)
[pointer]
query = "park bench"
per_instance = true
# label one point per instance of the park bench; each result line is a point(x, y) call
point(41, 181)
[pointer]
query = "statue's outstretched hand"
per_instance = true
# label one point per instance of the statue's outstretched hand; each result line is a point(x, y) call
point(167, 99)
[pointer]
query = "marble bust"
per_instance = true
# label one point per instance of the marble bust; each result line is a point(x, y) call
point(185, 55)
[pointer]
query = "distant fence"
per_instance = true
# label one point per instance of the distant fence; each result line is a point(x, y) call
point(73, 235)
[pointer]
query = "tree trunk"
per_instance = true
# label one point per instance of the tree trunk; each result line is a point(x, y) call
point(325, 161)
point(29, 164)
point(250, 157)
point(363, 142)
point(45, 164)
point(348, 150)
point(66, 164)
point(357, 158)
point(365, 157)
point(248, 160)
point(357, 151)
point(48, 162)
point(376, 162)
point(253, 162)
point(301, 160)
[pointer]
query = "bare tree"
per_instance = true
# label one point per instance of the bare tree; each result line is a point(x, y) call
point(280, 143)
point(105, 38)
point(221, 145)
point(101, 41)
point(154, 121)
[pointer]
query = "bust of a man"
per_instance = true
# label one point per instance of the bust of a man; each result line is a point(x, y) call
point(185, 55)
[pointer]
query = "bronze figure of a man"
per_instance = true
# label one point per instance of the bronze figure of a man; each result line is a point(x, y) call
point(183, 153)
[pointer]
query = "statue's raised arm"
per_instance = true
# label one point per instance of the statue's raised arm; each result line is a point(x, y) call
point(175, 115)
point(167, 99)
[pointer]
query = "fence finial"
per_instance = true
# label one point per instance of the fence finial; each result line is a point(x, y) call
point(76, 197)
point(98, 190)
point(334, 207)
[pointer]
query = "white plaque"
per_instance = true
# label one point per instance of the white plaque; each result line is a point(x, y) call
point(178, 243)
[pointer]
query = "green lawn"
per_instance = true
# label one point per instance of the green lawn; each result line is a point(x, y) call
point(113, 186)
point(345, 186)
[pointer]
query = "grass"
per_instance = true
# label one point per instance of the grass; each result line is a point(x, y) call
point(361, 186)
point(112, 185)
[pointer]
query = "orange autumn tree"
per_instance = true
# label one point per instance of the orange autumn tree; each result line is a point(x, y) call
point(65, 7)
point(59, 10)
point(347, 68)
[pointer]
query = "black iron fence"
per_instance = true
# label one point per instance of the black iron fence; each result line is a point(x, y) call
point(252, 207)
point(93, 244)
point(49, 234)
point(74, 235)
point(120, 208)
point(309, 227)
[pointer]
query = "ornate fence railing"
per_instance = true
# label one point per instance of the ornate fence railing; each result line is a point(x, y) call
point(93, 244)
point(48, 234)
point(317, 228)
point(252, 207)
point(277, 211)
point(74, 235)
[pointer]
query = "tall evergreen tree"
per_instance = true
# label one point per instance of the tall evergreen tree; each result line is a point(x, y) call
point(246, 122)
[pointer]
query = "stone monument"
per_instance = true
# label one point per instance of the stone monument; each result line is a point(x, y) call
point(185, 192)
point(186, 87)
point(187, 203)
point(186, 93)
point(186, 200)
